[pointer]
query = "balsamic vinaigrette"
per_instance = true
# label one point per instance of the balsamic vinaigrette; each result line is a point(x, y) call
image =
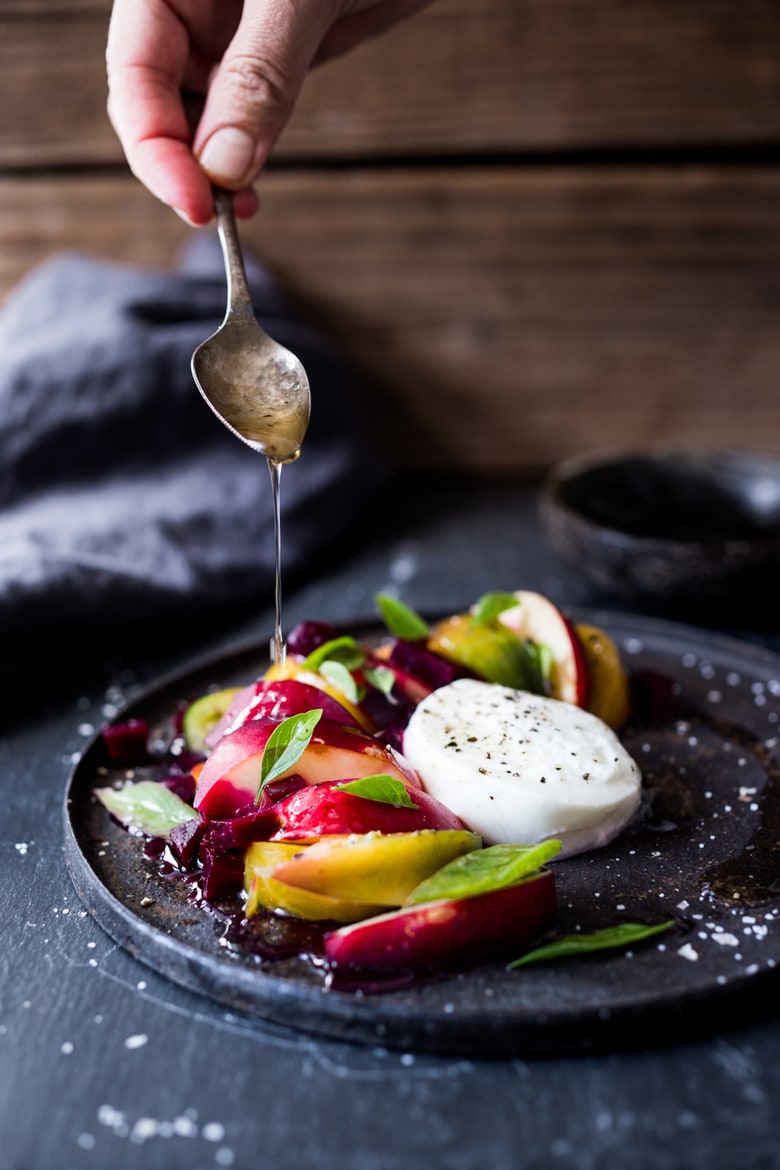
point(278, 652)
point(272, 435)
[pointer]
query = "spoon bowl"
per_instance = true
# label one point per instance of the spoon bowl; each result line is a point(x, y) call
point(254, 385)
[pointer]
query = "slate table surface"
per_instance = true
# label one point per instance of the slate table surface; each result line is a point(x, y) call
point(104, 1063)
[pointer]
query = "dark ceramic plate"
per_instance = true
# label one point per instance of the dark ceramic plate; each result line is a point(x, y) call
point(705, 855)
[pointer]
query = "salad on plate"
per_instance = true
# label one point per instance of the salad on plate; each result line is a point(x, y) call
point(398, 807)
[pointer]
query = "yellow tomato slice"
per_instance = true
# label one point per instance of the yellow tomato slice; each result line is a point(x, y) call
point(609, 694)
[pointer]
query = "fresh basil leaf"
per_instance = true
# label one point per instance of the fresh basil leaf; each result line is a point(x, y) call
point(381, 677)
point(344, 650)
point(148, 806)
point(487, 608)
point(340, 677)
point(583, 944)
point(285, 746)
point(483, 870)
point(382, 788)
point(401, 621)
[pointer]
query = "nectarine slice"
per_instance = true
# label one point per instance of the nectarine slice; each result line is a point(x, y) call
point(380, 868)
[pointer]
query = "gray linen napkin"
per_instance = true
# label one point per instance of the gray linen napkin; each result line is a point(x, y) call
point(122, 497)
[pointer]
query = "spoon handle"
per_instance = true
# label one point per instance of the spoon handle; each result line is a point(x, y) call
point(239, 299)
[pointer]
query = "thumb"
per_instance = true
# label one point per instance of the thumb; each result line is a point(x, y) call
point(255, 87)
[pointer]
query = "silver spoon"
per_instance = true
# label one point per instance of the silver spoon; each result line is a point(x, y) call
point(255, 386)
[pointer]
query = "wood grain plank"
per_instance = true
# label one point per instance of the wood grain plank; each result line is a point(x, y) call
point(483, 76)
point(502, 319)
point(54, 92)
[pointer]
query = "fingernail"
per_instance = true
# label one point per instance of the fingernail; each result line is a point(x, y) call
point(183, 215)
point(228, 154)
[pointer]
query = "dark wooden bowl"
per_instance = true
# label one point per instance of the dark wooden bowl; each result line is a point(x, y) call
point(678, 530)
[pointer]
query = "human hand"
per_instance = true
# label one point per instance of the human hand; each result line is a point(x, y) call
point(249, 58)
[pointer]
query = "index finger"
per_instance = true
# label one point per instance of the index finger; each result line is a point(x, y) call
point(147, 59)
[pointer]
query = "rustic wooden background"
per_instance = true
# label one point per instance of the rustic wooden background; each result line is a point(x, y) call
point(538, 226)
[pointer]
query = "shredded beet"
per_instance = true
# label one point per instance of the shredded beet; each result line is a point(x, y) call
point(127, 743)
point(307, 637)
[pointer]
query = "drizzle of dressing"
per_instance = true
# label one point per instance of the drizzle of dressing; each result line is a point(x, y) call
point(278, 648)
point(267, 411)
